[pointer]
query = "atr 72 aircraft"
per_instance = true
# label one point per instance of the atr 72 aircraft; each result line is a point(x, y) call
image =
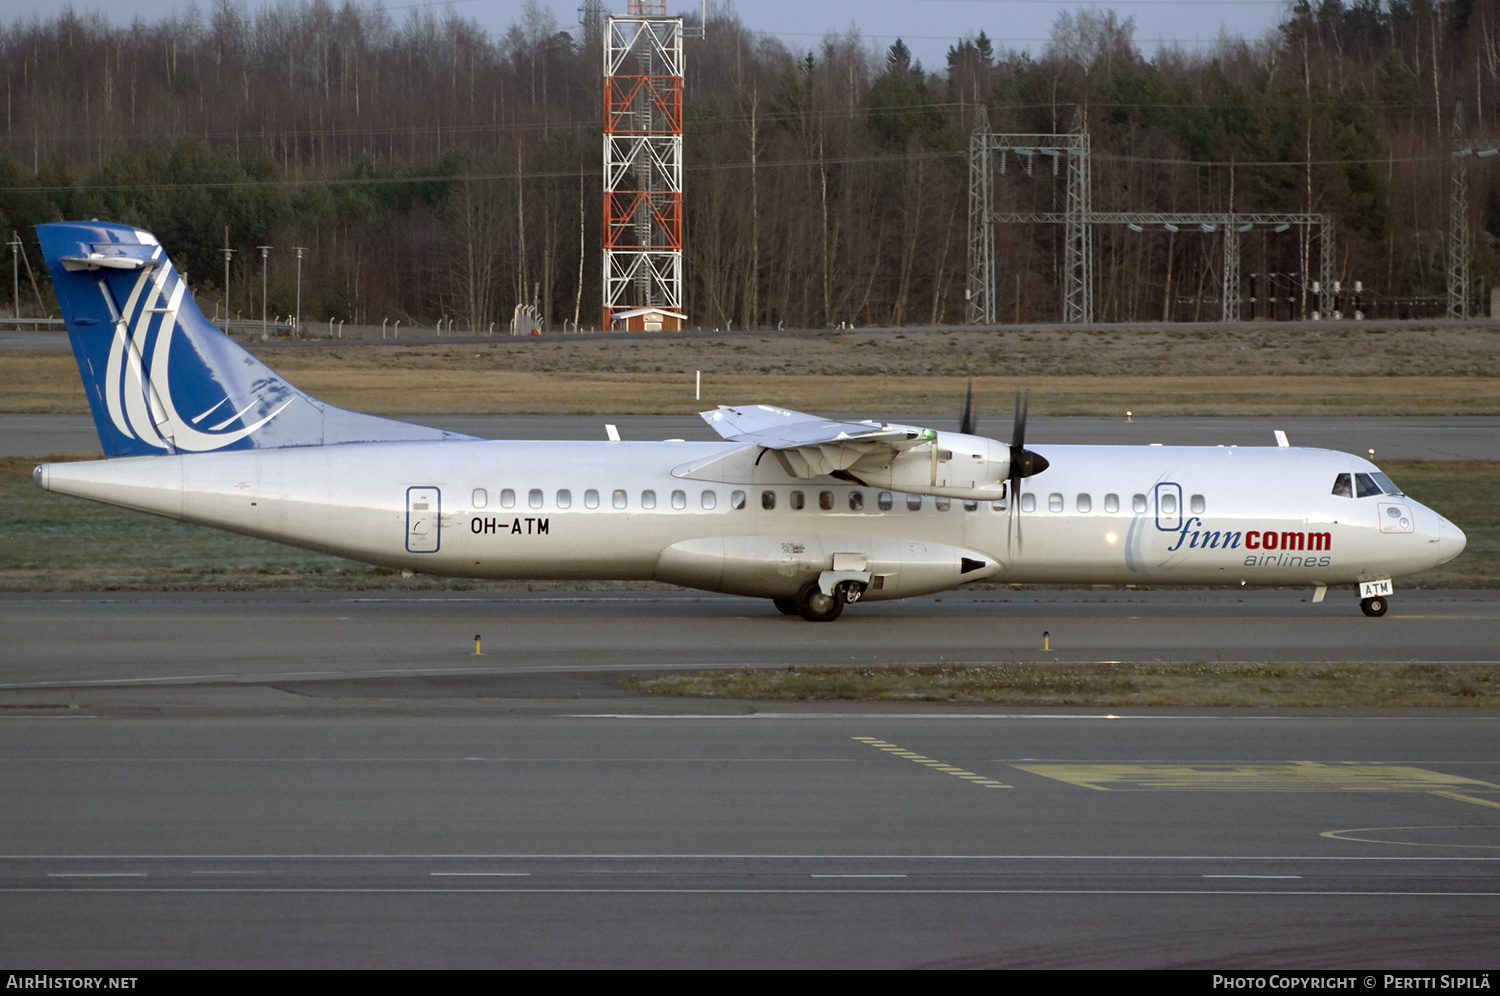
point(808, 512)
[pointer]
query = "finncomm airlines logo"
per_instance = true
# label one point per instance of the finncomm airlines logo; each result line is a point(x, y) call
point(1272, 547)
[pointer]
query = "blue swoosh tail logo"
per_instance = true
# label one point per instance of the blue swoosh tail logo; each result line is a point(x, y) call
point(160, 377)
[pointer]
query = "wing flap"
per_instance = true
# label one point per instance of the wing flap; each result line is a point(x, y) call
point(812, 446)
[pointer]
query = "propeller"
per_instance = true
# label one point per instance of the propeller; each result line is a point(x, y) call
point(1023, 463)
point(967, 423)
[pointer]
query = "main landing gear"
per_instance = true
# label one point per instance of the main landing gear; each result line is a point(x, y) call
point(814, 606)
point(1374, 606)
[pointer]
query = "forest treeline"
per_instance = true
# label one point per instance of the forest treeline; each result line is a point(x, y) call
point(432, 171)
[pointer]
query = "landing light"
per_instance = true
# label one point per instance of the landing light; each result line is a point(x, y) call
point(1110, 537)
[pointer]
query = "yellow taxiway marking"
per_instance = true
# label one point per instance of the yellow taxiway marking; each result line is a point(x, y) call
point(1301, 776)
point(926, 761)
point(1469, 798)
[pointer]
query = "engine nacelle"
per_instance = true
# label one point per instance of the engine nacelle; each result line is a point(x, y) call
point(951, 464)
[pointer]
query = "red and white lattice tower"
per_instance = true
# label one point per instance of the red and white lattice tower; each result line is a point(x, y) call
point(642, 160)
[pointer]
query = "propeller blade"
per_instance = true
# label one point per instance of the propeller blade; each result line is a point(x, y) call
point(1023, 464)
point(967, 423)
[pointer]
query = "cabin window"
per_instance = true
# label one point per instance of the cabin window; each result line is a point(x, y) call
point(591, 499)
point(564, 498)
point(1111, 503)
point(481, 497)
point(942, 504)
point(710, 499)
point(1168, 502)
point(508, 498)
point(825, 500)
point(618, 499)
point(648, 499)
point(885, 501)
point(970, 506)
point(998, 506)
point(1196, 503)
point(768, 499)
point(679, 499)
point(856, 501)
point(1085, 503)
point(796, 501)
point(737, 500)
point(1138, 503)
point(1054, 502)
point(1028, 502)
point(534, 498)
point(914, 502)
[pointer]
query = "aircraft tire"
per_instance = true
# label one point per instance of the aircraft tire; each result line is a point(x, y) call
point(814, 606)
point(786, 606)
point(1373, 606)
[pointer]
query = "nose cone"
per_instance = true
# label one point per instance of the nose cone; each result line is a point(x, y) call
point(1451, 540)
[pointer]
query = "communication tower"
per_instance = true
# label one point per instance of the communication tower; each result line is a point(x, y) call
point(642, 160)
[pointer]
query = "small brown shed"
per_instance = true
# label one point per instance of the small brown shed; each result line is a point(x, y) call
point(648, 320)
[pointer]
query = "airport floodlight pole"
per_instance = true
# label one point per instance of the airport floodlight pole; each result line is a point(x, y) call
point(15, 269)
point(300, 251)
point(227, 253)
point(264, 252)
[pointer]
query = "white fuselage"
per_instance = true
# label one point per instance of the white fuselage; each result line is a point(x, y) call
point(720, 517)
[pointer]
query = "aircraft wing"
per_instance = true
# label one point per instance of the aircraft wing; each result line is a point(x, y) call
point(813, 446)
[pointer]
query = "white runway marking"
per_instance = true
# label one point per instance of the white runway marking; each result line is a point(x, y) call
point(744, 856)
point(1221, 893)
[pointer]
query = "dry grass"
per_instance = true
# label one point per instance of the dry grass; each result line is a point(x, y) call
point(1153, 370)
point(1374, 685)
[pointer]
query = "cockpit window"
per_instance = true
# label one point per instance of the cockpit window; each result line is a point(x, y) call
point(1364, 485)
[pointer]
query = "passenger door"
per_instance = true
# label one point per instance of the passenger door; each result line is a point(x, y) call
point(424, 519)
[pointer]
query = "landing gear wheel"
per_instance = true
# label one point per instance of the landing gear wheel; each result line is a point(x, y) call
point(814, 606)
point(1373, 606)
point(786, 606)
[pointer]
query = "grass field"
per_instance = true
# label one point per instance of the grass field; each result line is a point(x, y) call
point(1375, 685)
point(1163, 370)
point(57, 543)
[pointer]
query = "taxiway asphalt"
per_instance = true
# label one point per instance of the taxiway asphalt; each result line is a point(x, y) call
point(288, 780)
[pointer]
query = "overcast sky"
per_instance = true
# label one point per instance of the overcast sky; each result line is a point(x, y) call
point(927, 26)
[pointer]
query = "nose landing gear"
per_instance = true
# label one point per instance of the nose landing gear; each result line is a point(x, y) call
point(1374, 597)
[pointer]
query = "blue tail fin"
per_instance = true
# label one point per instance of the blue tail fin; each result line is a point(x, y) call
point(160, 377)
